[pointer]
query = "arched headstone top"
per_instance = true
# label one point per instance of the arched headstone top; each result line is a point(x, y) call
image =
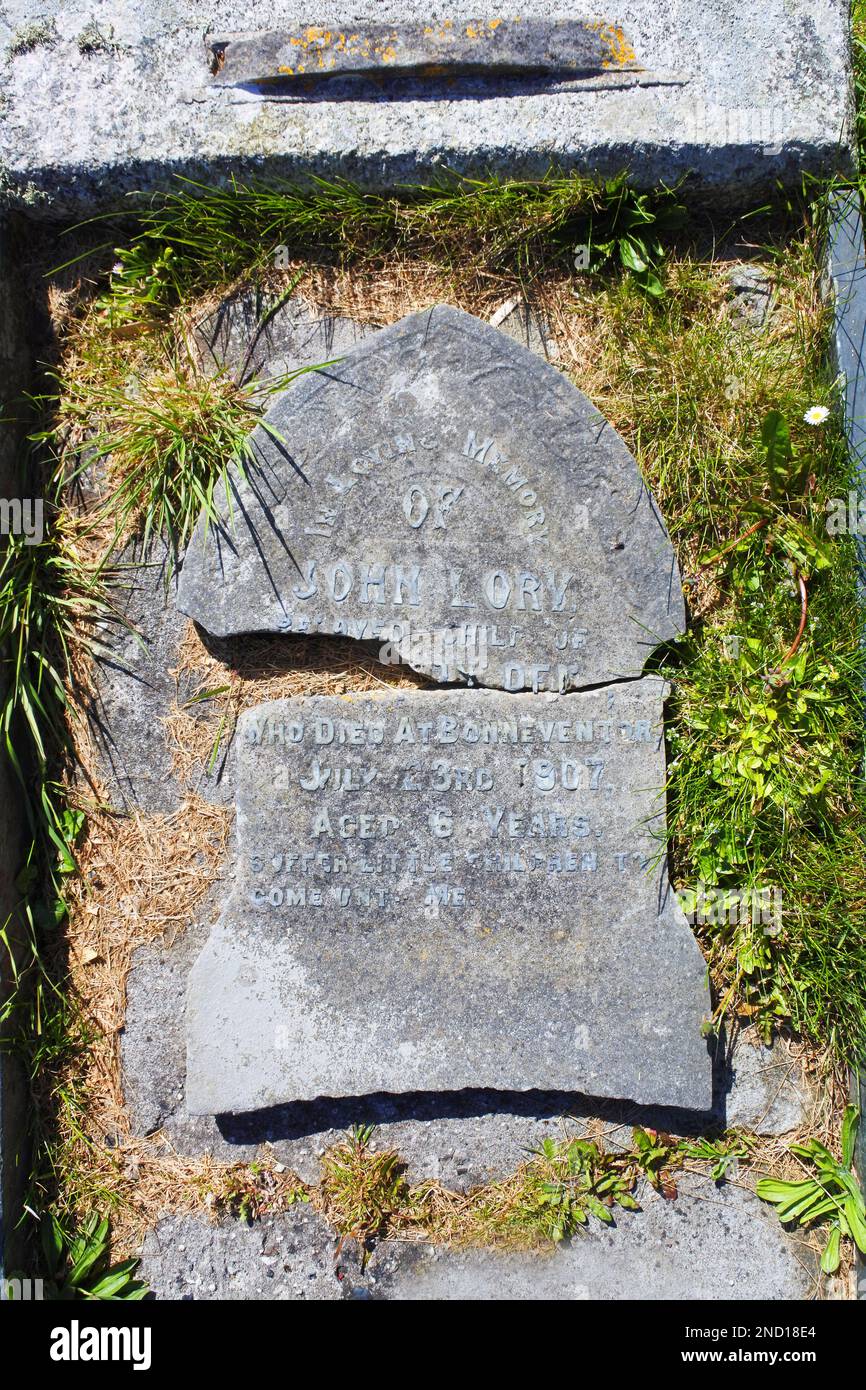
point(444, 489)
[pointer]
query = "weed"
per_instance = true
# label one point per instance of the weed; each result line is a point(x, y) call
point(247, 1192)
point(166, 438)
point(723, 1153)
point(830, 1194)
point(655, 1154)
point(92, 40)
point(76, 1267)
point(629, 232)
point(362, 1189)
point(570, 1181)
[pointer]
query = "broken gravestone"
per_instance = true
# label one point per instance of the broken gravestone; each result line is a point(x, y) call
point(443, 488)
point(451, 888)
point(447, 889)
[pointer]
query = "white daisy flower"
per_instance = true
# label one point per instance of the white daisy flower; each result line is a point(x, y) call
point(816, 414)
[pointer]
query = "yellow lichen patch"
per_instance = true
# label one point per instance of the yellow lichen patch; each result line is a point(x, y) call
point(494, 24)
point(389, 54)
point(621, 51)
point(472, 31)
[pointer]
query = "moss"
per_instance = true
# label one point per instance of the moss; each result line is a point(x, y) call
point(92, 40)
point(40, 33)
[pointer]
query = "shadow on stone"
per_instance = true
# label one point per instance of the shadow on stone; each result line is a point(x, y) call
point(465, 86)
point(302, 1119)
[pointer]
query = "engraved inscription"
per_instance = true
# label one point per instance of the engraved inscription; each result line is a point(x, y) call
point(445, 889)
point(510, 796)
point(443, 477)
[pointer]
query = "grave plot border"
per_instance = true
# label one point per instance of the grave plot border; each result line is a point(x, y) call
point(92, 190)
point(846, 268)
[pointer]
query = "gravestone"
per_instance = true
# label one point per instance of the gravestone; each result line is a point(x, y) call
point(454, 888)
point(446, 889)
point(444, 488)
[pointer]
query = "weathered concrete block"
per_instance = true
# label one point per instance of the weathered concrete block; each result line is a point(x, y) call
point(739, 96)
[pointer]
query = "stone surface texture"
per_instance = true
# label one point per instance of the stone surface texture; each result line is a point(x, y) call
point(304, 55)
point(252, 333)
point(768, 1093)
point(289, 1258)
point(439, 890)
point(752, 295)
point(138, 685)
point(740, 94)
point(443, 491)
point(711, 1243)
point(460, 1138)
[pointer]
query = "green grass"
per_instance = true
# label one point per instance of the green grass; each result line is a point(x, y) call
point(55, 606)
point(165, 445)
point(764, 753)
point(54, 610)
point(51, 601)
point(188, 242)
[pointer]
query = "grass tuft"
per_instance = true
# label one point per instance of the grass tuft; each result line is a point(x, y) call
point(196, 239)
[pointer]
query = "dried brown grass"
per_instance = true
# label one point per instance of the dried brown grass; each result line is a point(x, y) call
point(251, 671)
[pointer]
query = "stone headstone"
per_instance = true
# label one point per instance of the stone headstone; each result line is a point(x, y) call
point(462, 889)
point(448, 889)
point(444, 492)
